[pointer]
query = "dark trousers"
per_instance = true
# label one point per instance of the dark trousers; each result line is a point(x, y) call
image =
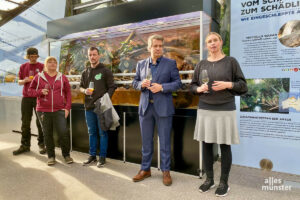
point(27, 107)
point(57, 120)
point(164, 126)
point(226, 160)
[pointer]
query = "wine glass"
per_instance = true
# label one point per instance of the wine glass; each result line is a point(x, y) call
point(205, 78)
point(31, 74)
point(47, 87)
point(91, 88)
point(149, 74)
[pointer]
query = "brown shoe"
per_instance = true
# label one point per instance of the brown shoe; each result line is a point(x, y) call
point(141, 175)
point(167, 180)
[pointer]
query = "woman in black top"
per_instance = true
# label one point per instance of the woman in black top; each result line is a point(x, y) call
point(216, 115)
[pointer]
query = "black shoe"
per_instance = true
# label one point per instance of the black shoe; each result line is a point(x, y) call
point(21, 150)
point(207, 185)
point(222, 190)
point(90, 160)
point(101, 162)
point(42, 149)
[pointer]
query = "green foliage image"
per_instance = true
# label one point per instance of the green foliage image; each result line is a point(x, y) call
point(263, 95)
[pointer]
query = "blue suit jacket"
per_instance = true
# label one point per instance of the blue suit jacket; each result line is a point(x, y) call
point(168, 76)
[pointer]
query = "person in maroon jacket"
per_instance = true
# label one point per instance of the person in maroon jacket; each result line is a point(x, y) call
point(26, 74)
point(53, 93)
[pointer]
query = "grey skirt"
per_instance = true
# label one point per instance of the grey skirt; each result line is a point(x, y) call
point(216, 127)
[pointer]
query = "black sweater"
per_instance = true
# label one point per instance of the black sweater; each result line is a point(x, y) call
point(227, 69)
point(103, 82)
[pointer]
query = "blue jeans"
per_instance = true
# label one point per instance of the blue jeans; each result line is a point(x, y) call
point(94, 129)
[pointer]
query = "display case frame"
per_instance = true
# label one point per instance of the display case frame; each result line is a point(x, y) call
point(183, 42)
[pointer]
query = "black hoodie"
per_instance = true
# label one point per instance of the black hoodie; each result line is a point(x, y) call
point(103, 82)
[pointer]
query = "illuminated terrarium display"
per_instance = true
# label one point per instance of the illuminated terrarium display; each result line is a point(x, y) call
point(121, 47)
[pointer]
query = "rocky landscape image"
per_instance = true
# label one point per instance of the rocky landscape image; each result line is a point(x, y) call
point(289, 34)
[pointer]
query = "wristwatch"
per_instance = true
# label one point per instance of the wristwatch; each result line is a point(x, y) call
point(162, 89)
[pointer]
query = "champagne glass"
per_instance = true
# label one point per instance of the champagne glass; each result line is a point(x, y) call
point(149, 75)
point(91, 88)
point(47, 87)
point(31, 74)
point(205, 78)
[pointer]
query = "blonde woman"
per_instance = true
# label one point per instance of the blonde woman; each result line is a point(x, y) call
point(53, 93)
point(217, 80)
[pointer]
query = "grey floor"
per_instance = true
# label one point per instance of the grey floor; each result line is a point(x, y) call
point(28, 177)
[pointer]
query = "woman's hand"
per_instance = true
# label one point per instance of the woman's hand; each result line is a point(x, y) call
point(66, 113)
point(203, 88)
point(221, 85)
point(45, 91)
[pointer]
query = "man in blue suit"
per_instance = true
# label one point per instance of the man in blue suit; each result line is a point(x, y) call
point(156, 106)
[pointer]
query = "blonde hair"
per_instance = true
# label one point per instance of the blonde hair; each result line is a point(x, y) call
point(48, 59)
point(154, 37)
point(219, 37)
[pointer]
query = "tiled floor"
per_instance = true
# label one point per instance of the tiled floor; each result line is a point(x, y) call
point(28, 177)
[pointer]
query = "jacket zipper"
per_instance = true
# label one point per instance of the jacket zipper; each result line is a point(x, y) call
point(52, 92)
point(52, 97)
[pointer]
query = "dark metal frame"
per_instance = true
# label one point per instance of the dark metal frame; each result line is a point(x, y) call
point(9, 15)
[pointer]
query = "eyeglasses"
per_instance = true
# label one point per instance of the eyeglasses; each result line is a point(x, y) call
point(33, 56)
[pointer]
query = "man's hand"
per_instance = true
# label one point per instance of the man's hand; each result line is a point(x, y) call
point(221, 85)
point(88, 91)
point(27, 80)
point(155, 87)
point(146, 83)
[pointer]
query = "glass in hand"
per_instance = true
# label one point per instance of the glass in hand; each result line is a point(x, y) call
point(91, 88)
point(31, 74)
point(47, 87)
point(204, 78)
point(149, 75)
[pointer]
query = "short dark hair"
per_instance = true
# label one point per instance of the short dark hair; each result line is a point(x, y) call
point(94, 49)
point(32, 51)
point(154, 37)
